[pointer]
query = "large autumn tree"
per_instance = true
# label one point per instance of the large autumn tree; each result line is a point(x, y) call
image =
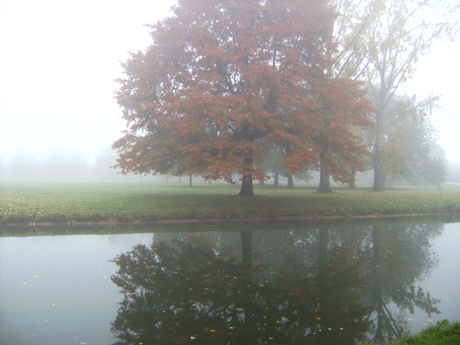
point(226, 81)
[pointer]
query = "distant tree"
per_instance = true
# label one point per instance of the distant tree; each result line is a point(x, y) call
point(454, 172)
point(426, 166)
point(226, 81)
point(410, 144)
point(382, 41)
point(270, 163)
point(432, 169)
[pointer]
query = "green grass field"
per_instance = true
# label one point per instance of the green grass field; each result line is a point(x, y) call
point(145, 202)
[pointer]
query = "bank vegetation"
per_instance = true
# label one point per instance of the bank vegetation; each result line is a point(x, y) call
point(69, 203)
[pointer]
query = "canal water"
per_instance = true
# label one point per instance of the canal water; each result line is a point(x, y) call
point(290, 284)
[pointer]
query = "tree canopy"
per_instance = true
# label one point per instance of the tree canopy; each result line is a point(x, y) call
point(226, 81)
point(382, 42)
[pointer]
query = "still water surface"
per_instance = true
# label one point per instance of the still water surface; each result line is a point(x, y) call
point(293, 285)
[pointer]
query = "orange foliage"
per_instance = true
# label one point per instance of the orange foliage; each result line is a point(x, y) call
point(226, 81)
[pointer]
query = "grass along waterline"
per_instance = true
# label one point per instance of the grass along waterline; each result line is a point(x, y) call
point(145, 202)
point(442, 333)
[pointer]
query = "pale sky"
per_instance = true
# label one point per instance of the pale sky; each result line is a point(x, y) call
point(59, 59)
point(58, 62)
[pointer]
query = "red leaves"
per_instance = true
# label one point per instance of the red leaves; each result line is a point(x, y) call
point(225, 81)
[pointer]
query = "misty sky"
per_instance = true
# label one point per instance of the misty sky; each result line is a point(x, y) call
point(59, 59)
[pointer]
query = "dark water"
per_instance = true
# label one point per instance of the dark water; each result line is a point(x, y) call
point(290, 286)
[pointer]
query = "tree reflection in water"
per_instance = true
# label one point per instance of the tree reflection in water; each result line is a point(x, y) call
point(293, 287)
point(398, 258)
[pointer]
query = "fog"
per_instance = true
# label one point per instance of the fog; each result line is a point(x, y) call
point(77, 168)
point(58, 115)
point(59, 167)
point(58, 65)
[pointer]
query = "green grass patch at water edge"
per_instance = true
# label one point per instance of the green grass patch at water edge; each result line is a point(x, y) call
point(443, 333)
point(95, 202)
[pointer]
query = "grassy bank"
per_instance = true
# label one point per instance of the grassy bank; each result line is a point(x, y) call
point(443, 333)
point(146, 202)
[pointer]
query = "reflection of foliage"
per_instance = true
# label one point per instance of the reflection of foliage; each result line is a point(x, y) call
point(181, 292)
point(391, 262)
point(398, 258)
point(308, 287)
point(187, 291)
point(328, 296)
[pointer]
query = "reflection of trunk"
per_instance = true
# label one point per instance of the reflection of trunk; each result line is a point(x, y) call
point(324, 178)
point(386, 327)
point(377, 293)
point(290, 181)
point(246, 247)
point(324, 300)
point(323, 244)
point(246, 185)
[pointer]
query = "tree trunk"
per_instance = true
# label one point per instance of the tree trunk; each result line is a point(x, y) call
point(352, 183)
point(290, 181)
point(276, 181)
point(190, 180)
point(246, 184)
point(379, 178)
point(324, 178)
